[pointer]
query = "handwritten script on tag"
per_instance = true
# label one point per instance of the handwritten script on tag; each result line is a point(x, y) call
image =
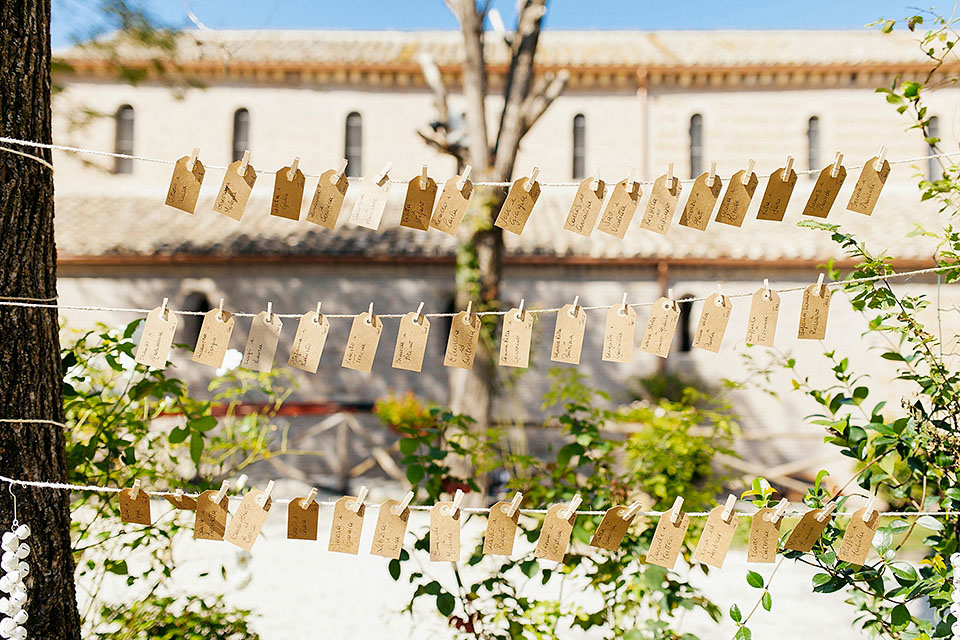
point(585, 208)
point(866, 193)
point(555, 534)
point(157, 336)
point(462, 343)
point(368, 209)
point(661, 205)
point(518, 206)
point(211, 520)
point(247, 522)
point(287, 194)
point(696, 213)
point(858, 537)
point(713, 323)
point(262, 342)
point(214, 338)
point(309, 342)
point(362, 343)
point(501, 530)
point(764, 311)
point(451, 206)
point(611, 530)
point(235, 191)
point(813, 313)
point(667, 540)
point(418, 204)
point(135, 511)
point(302, 523)
point(388, 535)
point(658, 336)
point(764, 535)
point(185, 185)
point(568, 335)
point(807, 531)
point(776, 197)
point(619, 334)
point(736, 199)
point(411, 342)
point(346, 527)
point(620, 209)
point(825, 192)
point(715, 540)
point(327, 200)
point(515, 336)
point(444, 533)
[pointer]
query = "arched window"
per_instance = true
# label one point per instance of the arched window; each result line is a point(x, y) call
point(686, 332)
point(195, 301)
point(241, 134)
point(353, 145)
point(124, 139)
point(813, 145)
point(579, 146)
point(934, 171)
point(696, 145)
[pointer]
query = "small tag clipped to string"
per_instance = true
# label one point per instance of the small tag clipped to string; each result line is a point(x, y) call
point(765, 534)
point(555, 532)
point(736, 199)
point(185, 183)
point(308, 343)
point(621, 207)
point(418, 204)
point(157, 336)
point(717, 535)
point(288, 192)
point(262, 341)
point(515, 336)
point(347, 525)
point(246, 524)
point(713, 322)
point(814, 312)
point(211, 520)
point(456, 194)
point(872, 178)
point(235, 190)
point(825, 191)
point(181, 501)
point(585, 209)
point(613, 527)
point(302, 517)
point(658, 335)
point(662, 203)
point(568, 333)
point(619, 333)
point(328, 198)
point(411, 341)
point(462, 343)
point(372, 200)
point(764, 311)
point(808, 530)
point(668, 537)
point(776, 196)
point(391, 527)
point(135, 505)
point(703, 198)
point(362, 343)
point(859, 535)
point(445, 518)
point(214, 337)
point(519, 203)
point(502, 527)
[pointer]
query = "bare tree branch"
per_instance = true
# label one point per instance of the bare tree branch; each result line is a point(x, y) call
point(538, 102)
point(438, 140)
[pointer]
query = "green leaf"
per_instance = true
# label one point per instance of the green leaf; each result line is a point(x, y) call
point(766, 600)
point(754, 579)
point(415, 473)
point(394, 568)
point(903, 572)
point(567, 452)
point(743, 634)
point(445, 603)
point(929, 522)
point(408, 445)
point(735, 614)
point(821, 579)
point(900, 616)
point(196, 447)
point(178, 435)
point(432, 588)
point(204, 423)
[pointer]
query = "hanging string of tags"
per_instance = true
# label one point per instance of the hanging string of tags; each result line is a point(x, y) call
point(516, 335)
point(423, 209)
point(446, 519)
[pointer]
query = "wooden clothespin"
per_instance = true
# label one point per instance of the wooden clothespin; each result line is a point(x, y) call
point(455, 505)
point(751, 163)
point(399, 508)
point(163, 308)
point(423, 177)
point(369, 319)
point(316, 318)
point(292, 172)
point(419, 314)
point(511, 509)
point(670, 177)
point(575, 310)
point(383, 175)
point(262, 499)
point(193, 158)
point(306, 502)
point(728, 507)
point(361, 496)
point(719, 299)
point(244, 162)
point(778, 512)
point(869, 509)
point(223, 492)
point(676, 510)
point(835, 171)
point(785, 175)
point(220, 310)
point(269, 312)
point(631, 510)
point(568, 513)
point(766, 289)
point(533, 178)
point(881, 157)
point(335, 178)
point(712, 175)
point(464, 176)
point(827, 510)
point(623, 308)
point(595, 183)
point(135, 490)
point(631, 179)
point(466, 318)
point(819, 285)
point(520, 310)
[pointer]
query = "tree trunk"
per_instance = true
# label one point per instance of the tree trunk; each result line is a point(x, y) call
point(30, 376)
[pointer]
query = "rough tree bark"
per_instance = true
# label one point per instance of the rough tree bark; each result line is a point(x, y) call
point(30, 377)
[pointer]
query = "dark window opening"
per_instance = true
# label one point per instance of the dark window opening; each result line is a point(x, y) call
point(813, 144)
point(195, 301)
point(241, 134)
point(686, 331)
point(696, 145)
point(353, 145)
point(124, 139)
point(579, 147)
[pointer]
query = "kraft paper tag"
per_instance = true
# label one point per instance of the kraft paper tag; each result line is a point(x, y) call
point(776, 196)
point(555, 534)
point(451, 206)
point(764, 310)
point(347, 526)
point(411, 342)
point(287, 194)
point(612, 528)
point(764, 537)
point(568, 335)
point(715, 540)
point(518, 206)
point(736, 199)
point(135, 511)
point(302, 523)
point(515, 336)
point(825, 192)
point(245, 525)
point(235, 191)
point(858, 537)
point(444, 533)
point(185, 185)
point(585, 208)
point(713, 323)
point(696, 214)
point(157, 336)
point(618, 336)
point(368, 209)
point(462, 343)
point(327, 200)
point(661, 206)
point(807, 531)
point(362, 343)
point(181, 501)
point(418, 205)
point(262, 342)
point(620, 208)
point(501, 530)
point(211, 521)
point(658, 336)
point(308, 343)
point(214, 338)
point(668, 540)
point(867, 190)
point(388, 536)
point(813, 313)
